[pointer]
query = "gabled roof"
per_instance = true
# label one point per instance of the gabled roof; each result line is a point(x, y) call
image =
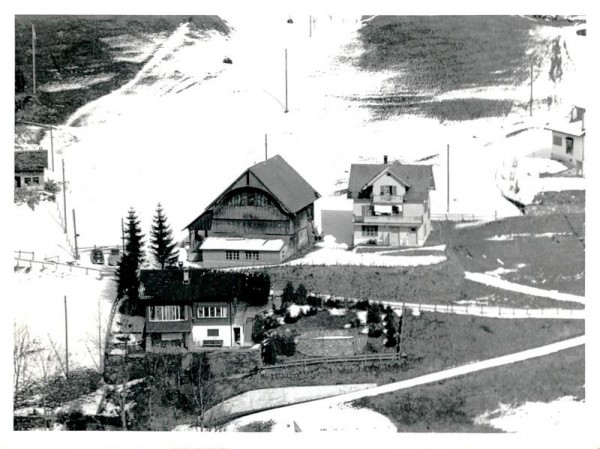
point(289, 189)
point(419, 178)
point(31, 160)
point(204, 285)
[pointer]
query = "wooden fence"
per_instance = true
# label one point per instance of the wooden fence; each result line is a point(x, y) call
point(463, 217)
point(349, 359)
point(28, 262)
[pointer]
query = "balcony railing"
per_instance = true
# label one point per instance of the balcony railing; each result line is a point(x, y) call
point(387, 198)
point(387, 219)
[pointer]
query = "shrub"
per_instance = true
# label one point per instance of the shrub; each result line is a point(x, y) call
point(374, 313)
point(257, 426)
point(30, 197)
point(312, 311)
point(289, 319)
point(268, 353)
point(314, 301)
point(301, 294)
point(362, 305)
point(334, 303)
point(284, 344)
point(355, 323)
point(288, 293)
point(262, 324)
point(53, 188)
point(375, 331)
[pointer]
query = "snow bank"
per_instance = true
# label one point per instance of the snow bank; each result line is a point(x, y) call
point(565, 415)
point(295, 310)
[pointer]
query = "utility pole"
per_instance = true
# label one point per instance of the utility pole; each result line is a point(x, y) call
point(448, 181)
point(52, 148)
point(266, 157)
point(531, 92)
point(310, 26)
point(33, 38)
point(286, 82)
point(75, 235)
point(64, 194)
point(66, 340)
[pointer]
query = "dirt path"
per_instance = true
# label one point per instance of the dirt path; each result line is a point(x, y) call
point(321, 414)
point(493, 281)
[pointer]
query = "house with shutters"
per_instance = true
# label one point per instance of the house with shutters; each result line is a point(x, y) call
point(29, 169)
point(391, 203)
point(568, 138)
point(264, 217)
point(196, 309)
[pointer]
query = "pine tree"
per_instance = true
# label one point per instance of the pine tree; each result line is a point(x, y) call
point(161, 240)
point(127, 270)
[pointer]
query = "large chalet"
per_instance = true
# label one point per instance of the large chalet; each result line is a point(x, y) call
point(264, 217)
point(391, 203)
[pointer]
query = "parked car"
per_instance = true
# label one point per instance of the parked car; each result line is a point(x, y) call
point(114, 257)
point(97, 256)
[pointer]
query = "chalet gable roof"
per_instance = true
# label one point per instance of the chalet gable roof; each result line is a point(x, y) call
point(31, 160)
point(389, 170)
point(418, 178)
point(280, 180)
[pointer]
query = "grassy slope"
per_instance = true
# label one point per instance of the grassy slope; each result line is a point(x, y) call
point(435, 54)
point(72, 46)
point(432, 342)
point(552, 263)
point(452, 405)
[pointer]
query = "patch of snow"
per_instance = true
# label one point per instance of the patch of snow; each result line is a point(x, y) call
point(76, 83)
point(337, 312)
point(294, 310)
point(565, 414)
point(362, 316)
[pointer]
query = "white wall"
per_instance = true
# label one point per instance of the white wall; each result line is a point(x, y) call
point(200, 333)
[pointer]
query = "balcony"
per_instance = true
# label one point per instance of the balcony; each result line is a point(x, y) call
point(387, 199)
point(387, 219)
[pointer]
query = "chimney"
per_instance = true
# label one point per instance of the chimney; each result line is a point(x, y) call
point(186, 275)
point(385, 159)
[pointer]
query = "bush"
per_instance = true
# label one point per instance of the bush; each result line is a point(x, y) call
point(284, 344)
point(314, 301)
point(262, 324)
point(288, 294)
point(312, 311)
point(374, 311)
point(268, 353)
point(301, 294)
point(334, 303)
point(289, 319)
point(355, 323)
point(257, 426)
point(30, 197)
point(362, 305)
point(375, 331)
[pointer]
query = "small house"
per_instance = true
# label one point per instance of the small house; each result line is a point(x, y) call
point(264, 217)
point(391, 203)
point(196, 309)
point(29, 169)
point(568, 139)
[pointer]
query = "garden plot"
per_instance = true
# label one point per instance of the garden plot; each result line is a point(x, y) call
point(331, 343)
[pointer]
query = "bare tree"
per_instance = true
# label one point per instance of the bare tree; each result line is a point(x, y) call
point(48, 369)
point(25, 350)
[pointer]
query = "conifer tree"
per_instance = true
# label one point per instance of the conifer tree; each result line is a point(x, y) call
point(127, 270)
point(161, 240)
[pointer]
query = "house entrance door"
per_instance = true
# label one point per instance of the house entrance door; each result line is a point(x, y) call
point(394, 236)
point(237, 335)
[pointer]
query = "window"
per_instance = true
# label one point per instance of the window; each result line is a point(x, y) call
point(212, 332)
point(369, 231)
point(569, 145)
point(36, 180)
point(388, 190)
point(27, 181)
point(167, 313)
point(396, 210)
point(251, 255)
point(413, 229)
point(557, 141)
point(232, 255)
point(251, 198)
point(212, 312)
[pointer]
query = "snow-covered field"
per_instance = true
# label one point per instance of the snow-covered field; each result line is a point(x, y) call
point(188, 124)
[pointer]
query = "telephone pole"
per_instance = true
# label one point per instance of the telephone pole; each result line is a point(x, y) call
point(33, 38)
point(64, 195)
point(310, 26)
point(266, 157)
point(286, 82)
point(448, 180)
point(531, 92)
point(66, 340)
point(75, 236)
